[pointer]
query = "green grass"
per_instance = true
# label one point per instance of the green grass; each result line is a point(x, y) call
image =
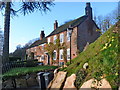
point(16, 72)
point(102, 57)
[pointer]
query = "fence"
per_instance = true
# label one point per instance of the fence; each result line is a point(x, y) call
point(16, 64)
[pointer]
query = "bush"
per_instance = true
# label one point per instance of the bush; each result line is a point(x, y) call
point(80, 76)
point(68, 63)
point(14, 58)
point(97, 75)
point(31, 63)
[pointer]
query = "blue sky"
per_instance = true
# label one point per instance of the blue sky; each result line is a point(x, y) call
point(25, 28)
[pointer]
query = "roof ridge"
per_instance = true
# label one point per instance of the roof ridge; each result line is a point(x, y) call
point(38, 42)
point(64, 26)
point(60, 29)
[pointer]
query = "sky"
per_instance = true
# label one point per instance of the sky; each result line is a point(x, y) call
point(25, 28)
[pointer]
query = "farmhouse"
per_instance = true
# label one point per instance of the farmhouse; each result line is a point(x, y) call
point(74, 36)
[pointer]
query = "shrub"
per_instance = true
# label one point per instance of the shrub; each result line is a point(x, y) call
point(14, 58)
point(80, 76)
point(68, 63)
point(31, 63)
point(98, 75)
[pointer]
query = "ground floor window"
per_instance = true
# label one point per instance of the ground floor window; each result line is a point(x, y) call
point(61, 54)
point(32, 55)
point(42, 58)
point(54, 55)
point(68, 54)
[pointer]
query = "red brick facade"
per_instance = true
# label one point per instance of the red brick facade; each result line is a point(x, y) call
point(84, 31)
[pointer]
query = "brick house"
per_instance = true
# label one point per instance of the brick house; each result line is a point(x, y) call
point(84, 32)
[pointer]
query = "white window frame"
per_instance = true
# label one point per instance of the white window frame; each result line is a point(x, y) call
point(35, 48)
point(40, 59)
point(55, 56)
point(68, 36)
point(42, 46)
point(28, 51)
point(48, 40)
point(35, 56)
point(54, 39)
point(68, 54)
point(42, 56)
point(61, 38)
point(61, 53)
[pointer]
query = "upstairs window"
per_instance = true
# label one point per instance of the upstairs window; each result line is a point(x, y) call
point(68, 36)
point(48, 40)
point(54, 39)
point(35, 48)
point(61, 38)
point(68, 54)
point(42, 57)
point(42, 46)
point(61, 54)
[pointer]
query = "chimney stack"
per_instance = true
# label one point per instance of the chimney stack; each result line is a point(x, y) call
point(88, 10)
point(55, 25)
point(42, 35)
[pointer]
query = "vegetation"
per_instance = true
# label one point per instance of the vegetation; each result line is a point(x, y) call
point(102, 57)
point(81, 74)
point(56, 46)
point(50, 49)
point(105, 22)
point(16, 72)
point(1, 42)
point(25, 8)
point(59, 46)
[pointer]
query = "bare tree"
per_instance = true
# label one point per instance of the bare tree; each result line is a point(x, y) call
point(105, 22)
point(1, 42)
point(99, 21)
point(25, 8)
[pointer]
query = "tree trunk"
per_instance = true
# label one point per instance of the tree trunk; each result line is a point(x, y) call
point(6, 34)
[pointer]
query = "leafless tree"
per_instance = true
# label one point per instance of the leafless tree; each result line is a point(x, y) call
point(105, 22)
point(1, 42)
point(9, 10)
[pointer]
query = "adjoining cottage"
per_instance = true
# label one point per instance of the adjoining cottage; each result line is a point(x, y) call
point(84, 31)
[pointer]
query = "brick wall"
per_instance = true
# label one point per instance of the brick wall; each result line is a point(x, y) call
point(73, 42)
point(38, 52)
point(85, 32)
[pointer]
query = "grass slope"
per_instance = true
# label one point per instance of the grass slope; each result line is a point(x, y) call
point(102, 57)
point(16, 72)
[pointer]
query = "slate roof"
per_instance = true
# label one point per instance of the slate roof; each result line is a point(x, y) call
point(39, 42)
point(64, 27)
point(60, 29)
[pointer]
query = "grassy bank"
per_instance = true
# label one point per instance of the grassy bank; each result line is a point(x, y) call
point(16, 72)
point(102, 57)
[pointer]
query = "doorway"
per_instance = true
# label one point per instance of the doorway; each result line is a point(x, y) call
point(48, 59)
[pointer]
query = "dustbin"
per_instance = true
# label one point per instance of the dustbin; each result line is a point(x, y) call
point(47, 79)
point(41, 80)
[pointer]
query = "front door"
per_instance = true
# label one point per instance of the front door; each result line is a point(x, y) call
point(48, 59)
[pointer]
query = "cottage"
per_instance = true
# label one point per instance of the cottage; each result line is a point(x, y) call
point(75, 34)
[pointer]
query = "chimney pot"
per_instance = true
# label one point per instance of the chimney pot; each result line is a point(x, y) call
point(55, 25)
point(88, 10)
point(88, 4)
point(42, 35)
